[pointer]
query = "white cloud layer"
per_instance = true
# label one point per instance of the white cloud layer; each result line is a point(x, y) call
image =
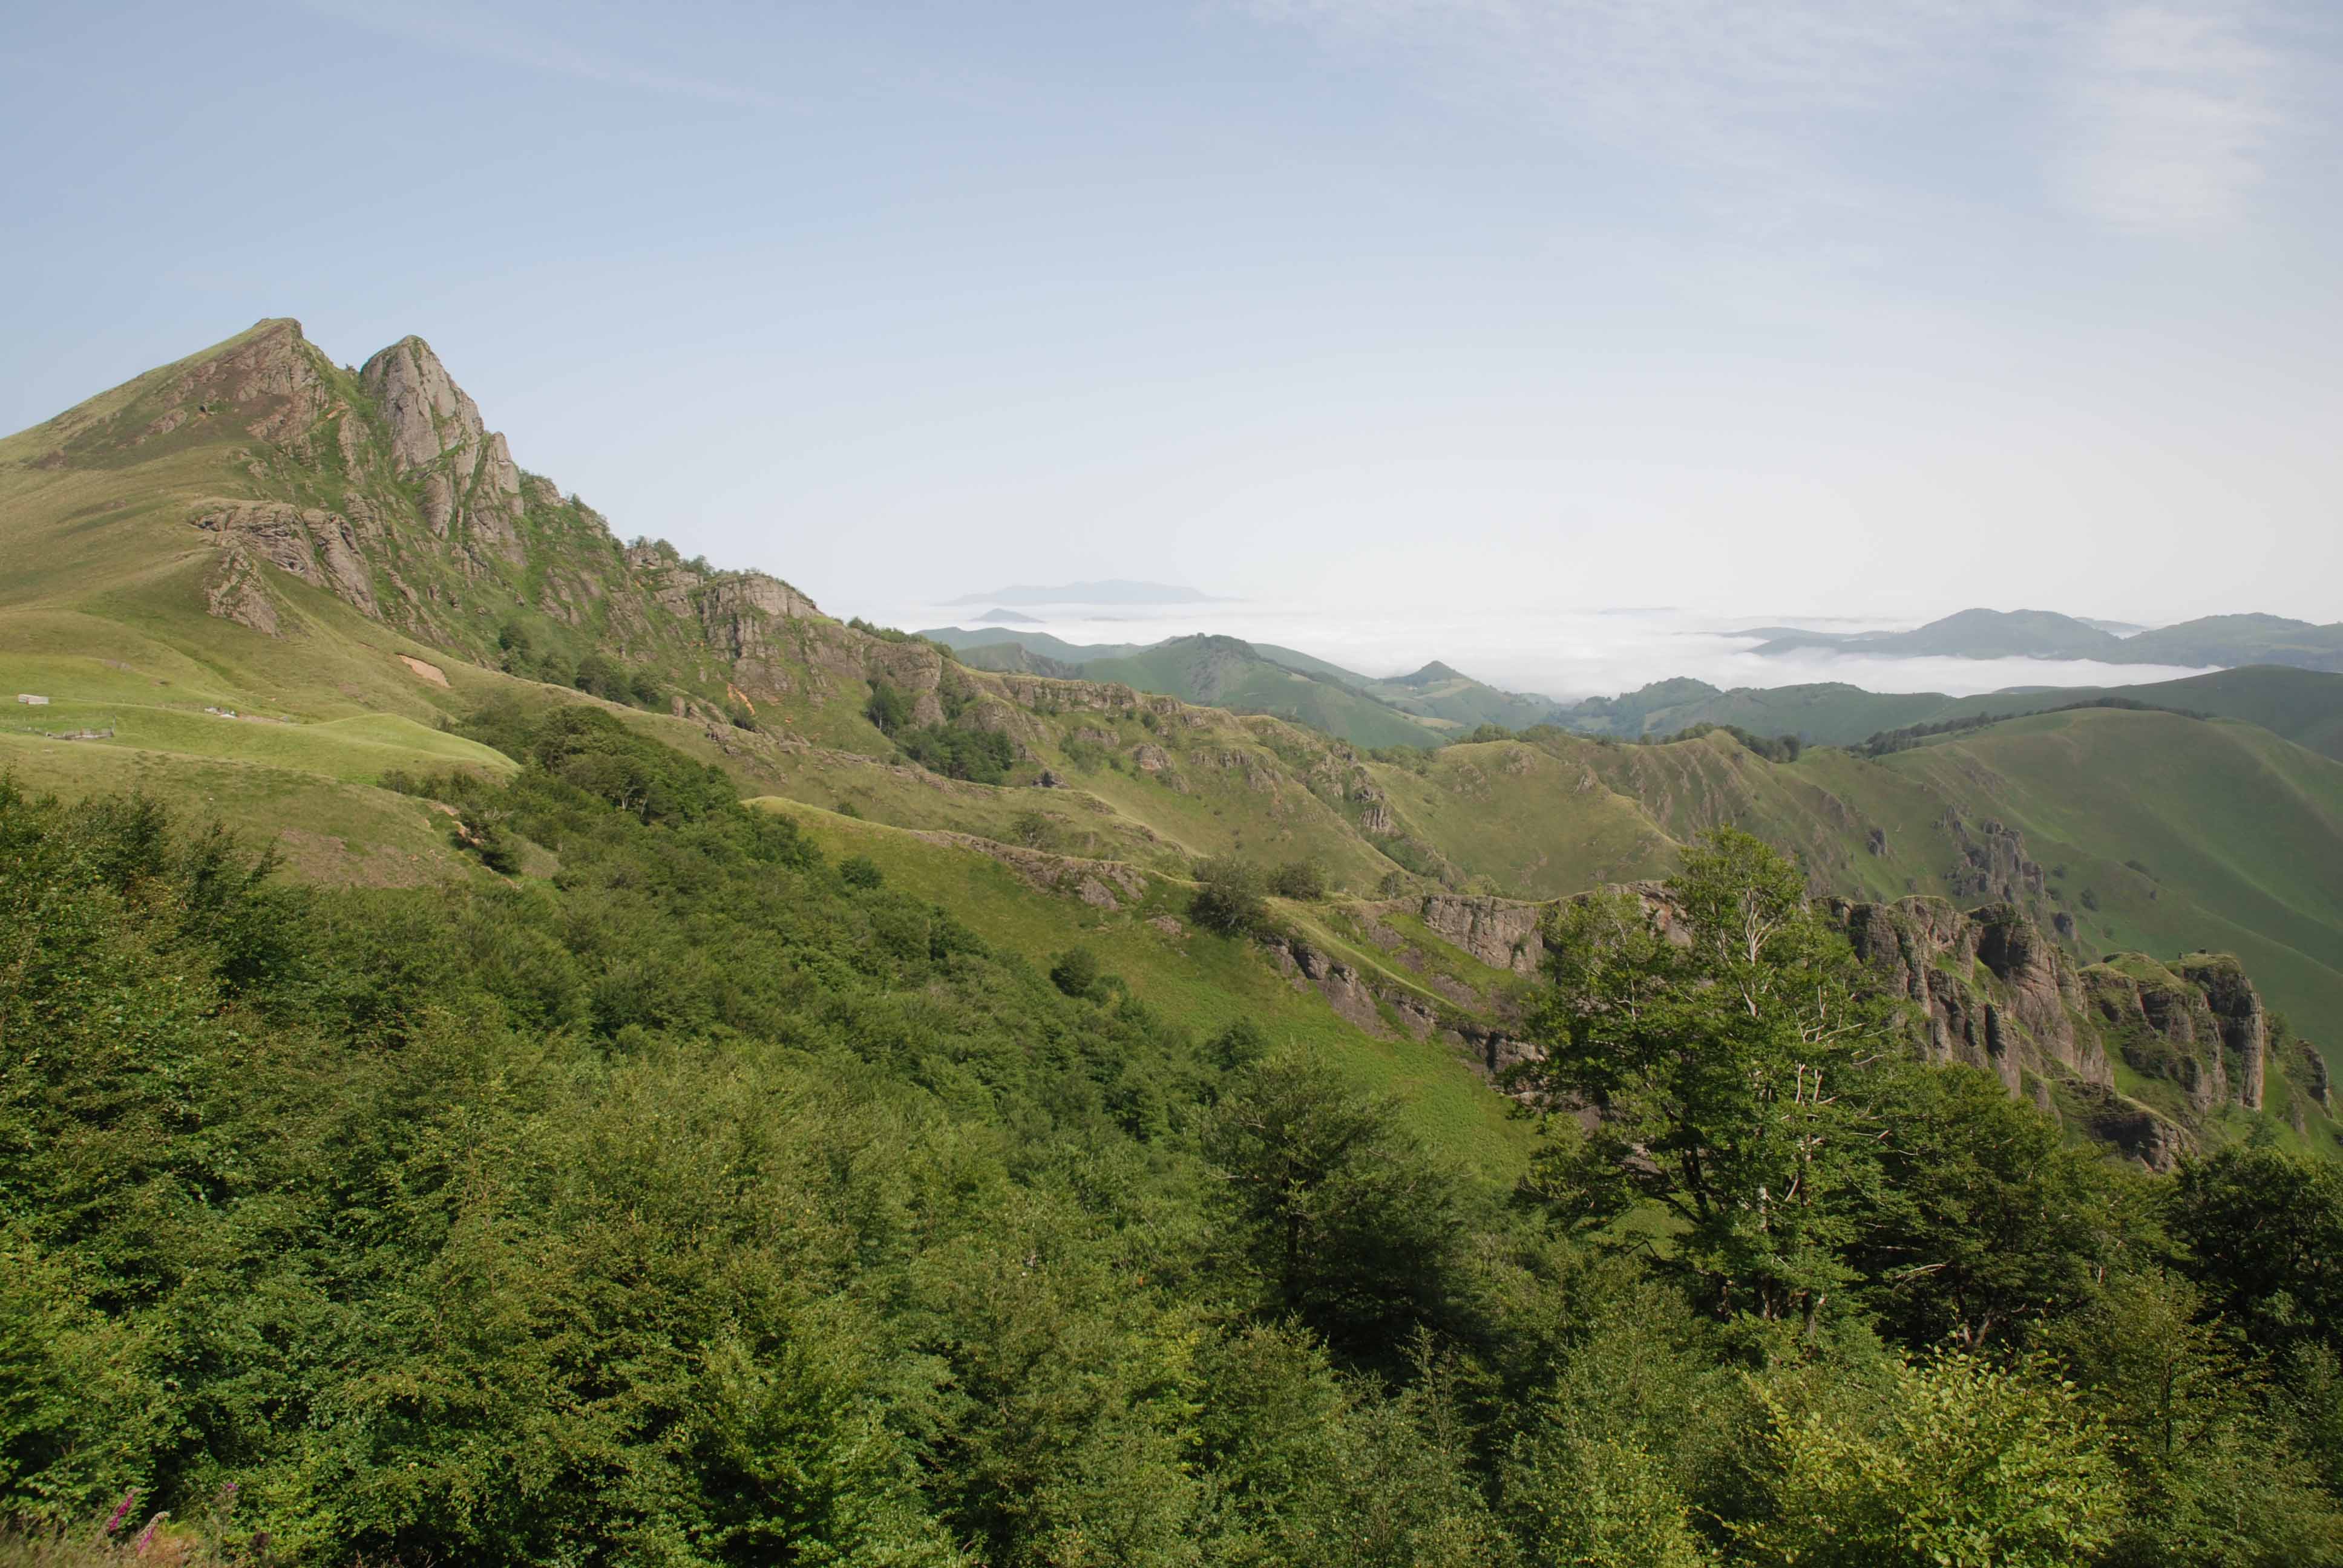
point(1563, 654)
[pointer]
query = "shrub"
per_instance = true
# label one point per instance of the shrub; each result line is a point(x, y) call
point(1076, 972)
point(1241, 1044)
point(1228, 897)
point(860, 871)
point(980, 755)
point(599, 676)
point(1302, 879)
point(889, 710)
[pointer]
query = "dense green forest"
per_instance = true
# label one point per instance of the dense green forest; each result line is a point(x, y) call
point(696, 1201)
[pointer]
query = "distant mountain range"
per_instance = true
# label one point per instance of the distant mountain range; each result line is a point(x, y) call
point(2223, 641)
point(1113, 591)
point(1427, 707)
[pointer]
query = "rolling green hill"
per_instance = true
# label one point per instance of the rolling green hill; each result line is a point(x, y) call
point(1261, 678)
point(2304, 706)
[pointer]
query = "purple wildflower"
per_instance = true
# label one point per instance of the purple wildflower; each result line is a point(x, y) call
point(121, 1511)
point(146, 1536)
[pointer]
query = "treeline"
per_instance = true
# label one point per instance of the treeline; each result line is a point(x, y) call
point(705, 1201)
point(1892, 740)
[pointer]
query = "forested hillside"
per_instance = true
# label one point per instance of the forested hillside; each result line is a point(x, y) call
point(710, 1200)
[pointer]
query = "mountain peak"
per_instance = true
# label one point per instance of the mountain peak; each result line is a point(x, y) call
point(1431, 674)
point(429, 415)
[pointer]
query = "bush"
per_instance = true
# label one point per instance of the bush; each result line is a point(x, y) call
point(889, 710)
point(1241, 1044)
point(644, 688)
point(860, 871)
point(599, 676)
point(1076, 972)
point(1302, 879)
point(980, 755)
point(1229, 898)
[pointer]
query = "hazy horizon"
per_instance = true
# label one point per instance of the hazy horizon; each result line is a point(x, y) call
point(1372, 306)
point(1564, 654)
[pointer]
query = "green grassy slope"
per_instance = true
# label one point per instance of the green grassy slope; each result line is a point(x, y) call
point(1223, 672)
point(2241, 834)
point(1194, 979)
point(2304, 706)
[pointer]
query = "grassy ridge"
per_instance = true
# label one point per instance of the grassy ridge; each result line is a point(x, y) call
point(2240, 833)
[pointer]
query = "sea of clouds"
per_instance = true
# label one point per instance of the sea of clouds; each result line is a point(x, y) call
point(1565, 654)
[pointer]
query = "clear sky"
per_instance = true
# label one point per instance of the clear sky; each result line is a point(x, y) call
point(1818, 306)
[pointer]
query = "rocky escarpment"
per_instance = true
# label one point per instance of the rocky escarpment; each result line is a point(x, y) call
point(1381, 1006)
point(1499, 932)
point(1989, 987)
point(1993, 864)
point(1993, 989)
point(2200, 1025)
point(322, 548)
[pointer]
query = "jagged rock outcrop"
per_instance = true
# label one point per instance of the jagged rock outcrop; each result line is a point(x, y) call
point(271, 380)
point(1499, 932)
point(2156, 1141)
point(1992, 990)
point(2200, 1025)
point(1994, 863)
point(320, 548)
point(236, 592)
point(470, 485)
point(428, 414)
point(2240, 1016)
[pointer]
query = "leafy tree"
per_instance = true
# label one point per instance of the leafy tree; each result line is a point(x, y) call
point(2264, 1233)
point(1229, 898)
point(1076, 972)
point(1347, 1224)
point(600, 676)
point(1961, 1462)
point(2214, 1479)
point(888, 708)
point(1721, 1055)
point(1241, 1044)
point(982, 756)
point(1986, 1218)
point(1302, 879)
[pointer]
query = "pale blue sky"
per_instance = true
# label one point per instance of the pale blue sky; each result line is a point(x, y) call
point(1853, 306)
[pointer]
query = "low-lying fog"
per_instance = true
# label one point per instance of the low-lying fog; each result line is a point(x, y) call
point(1562, 654)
